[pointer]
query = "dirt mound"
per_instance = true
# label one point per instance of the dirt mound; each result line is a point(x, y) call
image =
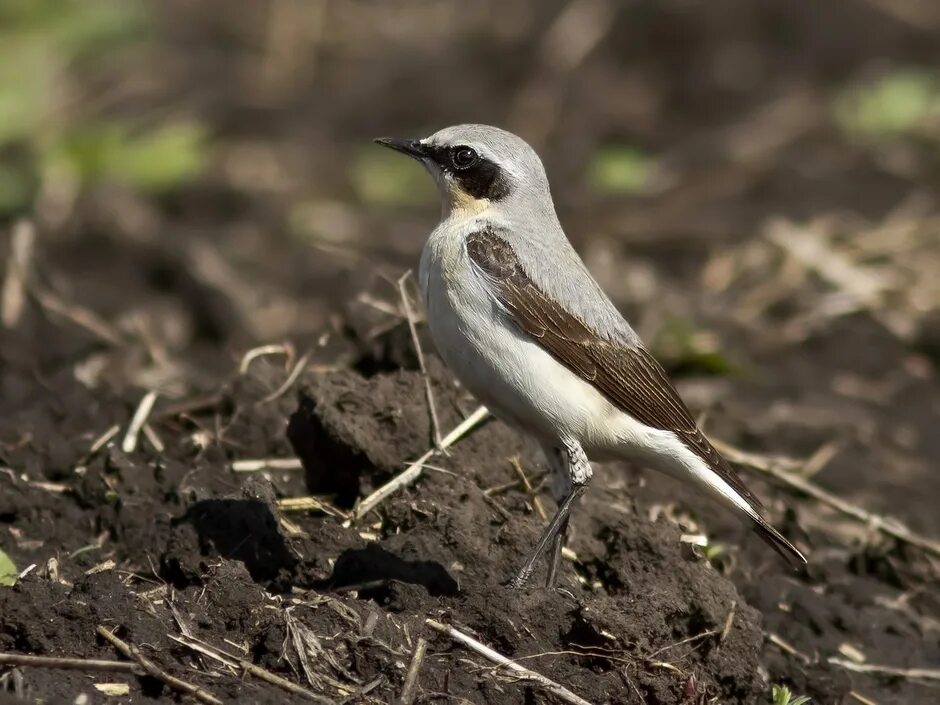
point(197, 552)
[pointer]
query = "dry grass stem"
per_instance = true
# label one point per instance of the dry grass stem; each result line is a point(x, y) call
point(69, 664)
point(536, 502)
point(429, 393)
point(410, 686)
point(687, 640)
point(80, 316)
point(129, 444)
point(13, 297)
point(235, 662)
point(486, 652)
point(932, 674)
point(259, 464)
point(310, 503)
point(291, 378)
point(858, 697)
point(413, 471)
point(103, 440)
point(775, 467)
point(134, 653)
point(787, 647)
point(255, 353)
point(729, 621)
point(153, 438)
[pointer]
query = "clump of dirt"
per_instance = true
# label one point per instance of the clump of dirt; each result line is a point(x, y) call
point(337, 604)
point(200, 556)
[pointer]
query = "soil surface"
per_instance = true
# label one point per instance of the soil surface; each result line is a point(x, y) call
point(209, 570)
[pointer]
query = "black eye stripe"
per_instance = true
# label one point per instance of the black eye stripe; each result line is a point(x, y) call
point(481, 179)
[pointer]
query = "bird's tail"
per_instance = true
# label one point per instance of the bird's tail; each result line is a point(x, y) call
point(719, 478)
point(776, 540)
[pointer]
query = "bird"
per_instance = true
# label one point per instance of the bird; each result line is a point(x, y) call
point(518, 318)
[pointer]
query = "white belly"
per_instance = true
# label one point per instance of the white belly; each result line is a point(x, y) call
point(507, 370)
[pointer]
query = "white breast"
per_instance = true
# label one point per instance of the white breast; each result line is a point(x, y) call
point(503, 367)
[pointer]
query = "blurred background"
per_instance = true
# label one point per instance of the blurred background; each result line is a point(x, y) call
point(753, 182)
point(779, 158)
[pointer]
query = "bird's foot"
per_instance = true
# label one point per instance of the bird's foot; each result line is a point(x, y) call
point(521, 580)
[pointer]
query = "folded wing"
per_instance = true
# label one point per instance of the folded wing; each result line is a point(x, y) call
point(627, 375)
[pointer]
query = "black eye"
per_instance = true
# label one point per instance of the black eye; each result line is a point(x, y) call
point(464, 157)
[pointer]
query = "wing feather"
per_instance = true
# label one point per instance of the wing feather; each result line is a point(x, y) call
point(627, 375)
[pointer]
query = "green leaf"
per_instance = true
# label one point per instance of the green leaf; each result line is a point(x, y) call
point(894, 104)
point(781, 695)
point(73, 28)
point(24, 95)
point(42, 41)
point(620, 168)
point(682, 348)
point(384, 177)
point(17, 187)
point(8, 571)
point(158, 160)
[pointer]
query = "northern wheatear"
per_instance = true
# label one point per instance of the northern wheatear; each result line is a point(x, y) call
point(517, 316)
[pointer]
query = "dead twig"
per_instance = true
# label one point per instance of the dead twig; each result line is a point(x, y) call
point(780, 469)
point(13, 298)
point(310, 503)
point(79, 315)
point(429, 393)
point(729, 620)
point(364, 690)
point(133, 652)
point(248, 667)
point(69, 664)
point(820, 458)
point(687, 640)
point(486, 652)
point(499, 489)
point(289, 382)
point(153, 437)
point(932, 674)
point(787, 647)
point(411, 678)
point(861, 698)
point(102, 440)
point(259, 464)
point(129, 444)
point(536, 502)
point(279, 349)
point(413, 471)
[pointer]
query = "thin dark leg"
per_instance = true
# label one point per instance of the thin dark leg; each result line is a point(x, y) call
point(559, 543)
point(569, 462)
point(551, 531)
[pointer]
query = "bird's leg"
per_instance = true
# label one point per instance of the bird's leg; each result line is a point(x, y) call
point(561, 488)
point(579, 473)
point(555, 561)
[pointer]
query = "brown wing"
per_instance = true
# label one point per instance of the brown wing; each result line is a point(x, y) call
point(627, 375)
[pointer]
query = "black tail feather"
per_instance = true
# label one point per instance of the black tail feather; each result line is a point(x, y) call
point(776, 540)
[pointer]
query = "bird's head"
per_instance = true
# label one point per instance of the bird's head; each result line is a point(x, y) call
point(478, 166)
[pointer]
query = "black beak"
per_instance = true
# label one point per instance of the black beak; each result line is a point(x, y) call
point(413, 148)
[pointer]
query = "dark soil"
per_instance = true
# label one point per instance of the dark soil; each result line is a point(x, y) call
point(169, 543)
